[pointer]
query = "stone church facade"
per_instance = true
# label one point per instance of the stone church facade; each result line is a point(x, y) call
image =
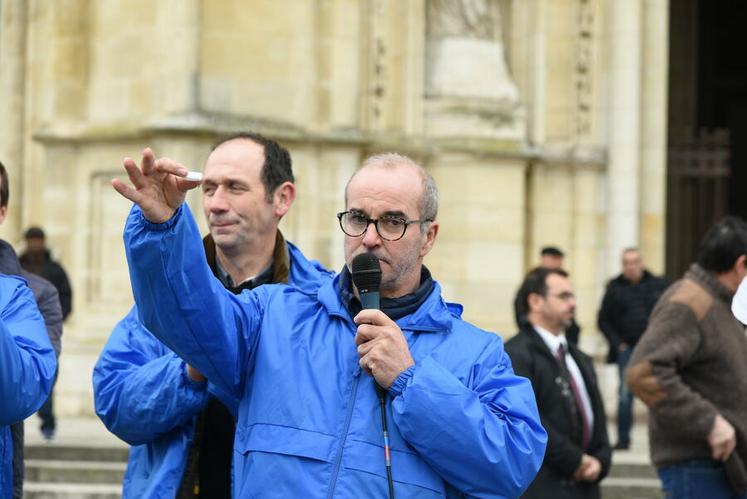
point(543, 121)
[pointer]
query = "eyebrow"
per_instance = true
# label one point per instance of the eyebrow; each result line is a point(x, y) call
point(225, 181)
point(390, 213)
point(394, 213)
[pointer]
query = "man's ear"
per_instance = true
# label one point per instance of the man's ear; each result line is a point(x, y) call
point(3, 211)
point(283, 198)
point(429, 238)
point(740, 263)
point(534, 301)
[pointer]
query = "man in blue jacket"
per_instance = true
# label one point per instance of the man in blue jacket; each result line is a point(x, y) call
point(303, 364)
point(48, 302)
point(27, 366)
point(182, 438)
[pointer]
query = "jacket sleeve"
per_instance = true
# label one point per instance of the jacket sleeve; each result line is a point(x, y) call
point(562, 454)
point(518, 316)
point(141, 389)
point(185, 306)
point(669, 343)
point(48, 301)
point(606, 318)
point(488, 440)
point(66, 292)
point(601, 449)
point(27, 360)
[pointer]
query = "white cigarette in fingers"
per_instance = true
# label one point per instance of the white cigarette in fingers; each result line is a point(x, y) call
point(195, 176)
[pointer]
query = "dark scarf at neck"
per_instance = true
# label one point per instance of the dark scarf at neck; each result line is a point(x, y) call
point(277, 272)
point(394, 308)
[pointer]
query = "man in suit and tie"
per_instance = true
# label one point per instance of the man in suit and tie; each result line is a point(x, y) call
point(551, 257)
point(570, 405)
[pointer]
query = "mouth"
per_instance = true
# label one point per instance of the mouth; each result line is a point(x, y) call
point(381, 260)
point(221, 228)
point(221, 223)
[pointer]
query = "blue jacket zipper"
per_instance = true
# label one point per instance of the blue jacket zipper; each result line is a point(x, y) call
point(346, 427)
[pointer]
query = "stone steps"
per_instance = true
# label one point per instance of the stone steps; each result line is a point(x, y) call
point(631, 477)
point(91, 472)
point(74, 471)
point(632, 470)
point(73, 452)
point(70, 471)
point(71, 491)
point(631, 488)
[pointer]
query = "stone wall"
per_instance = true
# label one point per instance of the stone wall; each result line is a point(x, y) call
point(507, 102)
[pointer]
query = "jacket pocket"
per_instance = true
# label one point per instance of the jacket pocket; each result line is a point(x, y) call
point(412, 476)
point(287, 440)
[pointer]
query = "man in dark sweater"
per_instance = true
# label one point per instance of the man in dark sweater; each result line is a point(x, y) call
point(626, 306)
point(690, 368)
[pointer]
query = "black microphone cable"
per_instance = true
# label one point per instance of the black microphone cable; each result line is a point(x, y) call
point(387, 451)
point(366, 274)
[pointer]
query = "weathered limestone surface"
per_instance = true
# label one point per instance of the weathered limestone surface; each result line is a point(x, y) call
point(507, 102)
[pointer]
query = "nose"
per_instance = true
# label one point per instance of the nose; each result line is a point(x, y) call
point(217, 202)
point(371, 237)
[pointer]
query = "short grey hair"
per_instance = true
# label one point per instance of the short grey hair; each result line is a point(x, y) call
point(428, 205)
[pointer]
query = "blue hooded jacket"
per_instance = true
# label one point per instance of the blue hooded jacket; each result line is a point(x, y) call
point(27, 366)
point(461, 422)
point(144, 396)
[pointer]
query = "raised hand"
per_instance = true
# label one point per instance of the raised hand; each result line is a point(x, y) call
point(158, 186)
point(382, 347)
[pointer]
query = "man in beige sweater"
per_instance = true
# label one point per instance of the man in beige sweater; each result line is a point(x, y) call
point(690, 368)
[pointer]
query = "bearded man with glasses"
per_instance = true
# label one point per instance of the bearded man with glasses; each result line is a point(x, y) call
point(303, 365)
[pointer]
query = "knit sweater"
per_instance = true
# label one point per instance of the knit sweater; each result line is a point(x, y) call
point(689, 365)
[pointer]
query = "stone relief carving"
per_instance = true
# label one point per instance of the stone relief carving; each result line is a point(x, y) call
point(464, 18)
point(584, 69)
point(468, 85)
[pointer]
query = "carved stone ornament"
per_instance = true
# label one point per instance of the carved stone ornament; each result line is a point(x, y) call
point(464, 19)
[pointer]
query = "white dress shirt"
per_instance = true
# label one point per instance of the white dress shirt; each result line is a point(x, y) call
point(553, 342)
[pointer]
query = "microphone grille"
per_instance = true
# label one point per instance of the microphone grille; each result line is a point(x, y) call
point(366, 271)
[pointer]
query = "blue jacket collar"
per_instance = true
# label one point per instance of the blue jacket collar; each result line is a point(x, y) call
point(434, 315)
point(305, 274)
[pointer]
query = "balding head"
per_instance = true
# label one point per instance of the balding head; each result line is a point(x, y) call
point(428, 196)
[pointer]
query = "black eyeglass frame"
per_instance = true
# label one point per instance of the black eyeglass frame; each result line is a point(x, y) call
point(375, 221)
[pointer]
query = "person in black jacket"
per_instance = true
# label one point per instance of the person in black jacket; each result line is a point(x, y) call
point(551, 257)
point(627, 304)
point(37, 259)
point(578, 452)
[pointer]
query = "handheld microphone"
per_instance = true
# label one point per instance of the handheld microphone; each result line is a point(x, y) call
point(366, 271)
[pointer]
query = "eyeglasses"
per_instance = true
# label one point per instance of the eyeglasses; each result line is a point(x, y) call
point(389, 228)
point(564, 296)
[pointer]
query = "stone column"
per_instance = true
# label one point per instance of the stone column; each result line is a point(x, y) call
point(13, 30)
point(653, 178)
point(624, 136)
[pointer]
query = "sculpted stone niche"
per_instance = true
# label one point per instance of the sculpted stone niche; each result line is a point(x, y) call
point(469, 91)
